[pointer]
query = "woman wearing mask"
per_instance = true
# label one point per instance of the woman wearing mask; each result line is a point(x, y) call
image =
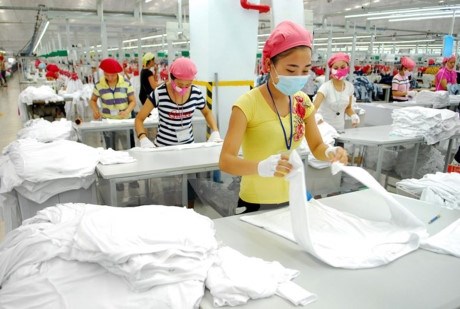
point(176, 100)
point(446, 76)
point(271, 120)
point(334, 98)
point(400, 84)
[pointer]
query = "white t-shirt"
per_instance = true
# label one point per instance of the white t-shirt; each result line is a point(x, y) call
point(334, 103)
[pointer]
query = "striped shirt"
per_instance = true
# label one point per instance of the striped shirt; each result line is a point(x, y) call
point(400, 83)
point(174, 117)
point(113, 100)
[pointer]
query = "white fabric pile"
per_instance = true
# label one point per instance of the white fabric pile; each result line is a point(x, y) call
point(440, 188)
point(433, 124)
point(144, 257)
point(343, 239)
point(447, 241)
point(42, 93)
point(429, 160)
point(438, 99)
point(45, 131)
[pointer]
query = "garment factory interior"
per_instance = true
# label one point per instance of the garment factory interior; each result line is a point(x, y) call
point(396, 201)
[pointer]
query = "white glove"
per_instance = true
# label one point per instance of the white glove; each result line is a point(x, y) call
point(146, 143)
point(331, 152)
point(214, 137)
point(267, 167)
point(355, 119)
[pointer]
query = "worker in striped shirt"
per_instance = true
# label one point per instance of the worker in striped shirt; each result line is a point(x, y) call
point(117, 100)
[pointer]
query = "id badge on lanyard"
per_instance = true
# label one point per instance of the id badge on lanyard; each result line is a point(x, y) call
point(182, 134)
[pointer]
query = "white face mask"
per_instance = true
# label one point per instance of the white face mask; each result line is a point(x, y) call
point(289, 85)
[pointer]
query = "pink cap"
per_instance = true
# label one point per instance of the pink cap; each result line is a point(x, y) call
point(447, 59)
point(286, 35)
point(110, 66)
point(338, 57)
point(183, 68)
point(407, 63)
point(52, 67)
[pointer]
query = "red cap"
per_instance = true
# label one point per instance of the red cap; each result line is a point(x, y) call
point(408, 63)
point(52, 67)
point(110, 66)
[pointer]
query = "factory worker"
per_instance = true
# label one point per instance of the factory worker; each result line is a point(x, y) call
point(176, 101)
point(447, 75)
point(334, 97)
point(148, 79)
point(271, 120)
point(117, 99)
point(400, 85)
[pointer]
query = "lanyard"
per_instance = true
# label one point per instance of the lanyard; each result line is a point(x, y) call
point(288, 143)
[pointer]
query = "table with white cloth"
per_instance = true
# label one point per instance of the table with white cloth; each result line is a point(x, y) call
point(421, 279)
point(160, 162)
point(380, 137)
point(378, 113)
point(83, 129)
point(454, 101)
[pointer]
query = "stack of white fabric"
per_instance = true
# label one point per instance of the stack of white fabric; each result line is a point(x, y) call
point(40, 170)
point(433, 124)
point(42, 93)
point(440, 188)
point(144, 257)
point(439, 99)
point(45, 131)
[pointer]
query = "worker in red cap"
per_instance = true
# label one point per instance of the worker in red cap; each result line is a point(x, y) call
point(334, 97)
point(400, 85)
point(3, 70)
point(176, 100)
point(271, 120)
point(117, 99)
point(447, 75)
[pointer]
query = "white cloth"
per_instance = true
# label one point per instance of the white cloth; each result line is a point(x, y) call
point(342, 239)
point(335, 102)
point(45, 131)
point(433, 124)
point(440, 188)
point(235, 278)
point(446, 241)
point(110, 156)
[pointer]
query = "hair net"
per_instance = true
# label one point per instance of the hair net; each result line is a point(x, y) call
point(183, 68)
point(52, 68)
point(407, 63)
point(286, 35)
point(447, 59)
point(147, 57)
point(110, 66)
point(338, 57)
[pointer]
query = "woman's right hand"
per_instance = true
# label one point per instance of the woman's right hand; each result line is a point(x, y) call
point(96, 115)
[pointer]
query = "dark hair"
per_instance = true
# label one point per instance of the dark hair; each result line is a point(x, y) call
point(287, 52)
point(172, 76)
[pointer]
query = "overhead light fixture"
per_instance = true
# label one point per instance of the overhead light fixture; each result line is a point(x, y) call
point(404, 11)
point(41, 35)
point(145, 38)
point(147, 1)
point(425, 17)
point(406, 15)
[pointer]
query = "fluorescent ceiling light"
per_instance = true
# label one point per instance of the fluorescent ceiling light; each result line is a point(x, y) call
point(406, 15)
point(403, 11)
point(41, 35)
point(425, 17)
point(146, 38)
point(343, 38)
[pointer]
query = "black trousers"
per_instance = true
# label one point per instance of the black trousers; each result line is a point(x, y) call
point(251, 207)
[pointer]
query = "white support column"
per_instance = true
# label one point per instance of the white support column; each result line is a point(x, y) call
point(100, 13)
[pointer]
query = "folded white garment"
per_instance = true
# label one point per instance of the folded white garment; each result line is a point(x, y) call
point(295, 293)
point(110, 156)
point(235, 278)
point(446, 241)
point(342, 239)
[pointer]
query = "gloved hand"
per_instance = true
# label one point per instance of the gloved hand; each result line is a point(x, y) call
point(355, 120)
point(146, 143)
point(214, 137)
point(330, 152)
point(267, 167)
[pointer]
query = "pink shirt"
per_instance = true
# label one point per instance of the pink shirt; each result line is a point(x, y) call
point(400, 83)
point(449, 75)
